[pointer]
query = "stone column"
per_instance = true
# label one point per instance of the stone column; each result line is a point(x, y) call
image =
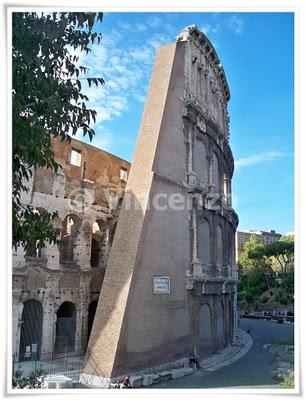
point(105, 248)
point(214, 329)
point(84, 303)
point(190, 141)
point(214, 255)
point(79, 330)
point(51, 252)
point(211, 185)
point(197, 266)
point(48, 327)
point(195, 231)
point(17, 309)
point(18, 257)
point(82, 249)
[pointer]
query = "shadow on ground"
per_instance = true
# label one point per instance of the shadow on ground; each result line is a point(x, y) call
point(250, 371)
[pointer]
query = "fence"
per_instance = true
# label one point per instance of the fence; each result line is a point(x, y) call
point(277, 318)
point(68, 365)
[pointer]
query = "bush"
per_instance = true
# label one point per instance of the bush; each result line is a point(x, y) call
point(288, 381)
point(34, 381)
point(265, 299)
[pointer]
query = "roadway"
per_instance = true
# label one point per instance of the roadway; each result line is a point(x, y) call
point(250, 371)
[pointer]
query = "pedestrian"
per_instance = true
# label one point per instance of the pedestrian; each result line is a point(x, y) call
point(126, 383)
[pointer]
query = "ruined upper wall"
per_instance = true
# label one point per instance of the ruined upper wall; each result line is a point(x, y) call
point(97, 165)
point(206, 87)
point(82, 167)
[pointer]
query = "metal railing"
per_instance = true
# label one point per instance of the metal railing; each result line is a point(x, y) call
point(69, 365)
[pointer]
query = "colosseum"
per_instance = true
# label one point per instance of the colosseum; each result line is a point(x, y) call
point(169, 291)
point(55, 289)
point(164, 287)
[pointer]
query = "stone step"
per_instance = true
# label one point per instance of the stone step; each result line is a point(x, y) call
point(135, 381)
point(180, 372)
point(164, 375)
point(150, 379)
point(58, 382)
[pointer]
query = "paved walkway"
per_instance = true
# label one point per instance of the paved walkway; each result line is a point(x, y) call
point(230, 354)
point(249, 371)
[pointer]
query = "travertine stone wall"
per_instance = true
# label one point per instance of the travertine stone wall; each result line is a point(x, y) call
point(43, 276)
point(183, 227)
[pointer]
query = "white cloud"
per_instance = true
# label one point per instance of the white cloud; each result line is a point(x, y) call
point(102, 139)
point(125, 25)
point(235, 23)
point(206, 29)
point(141, 27)
point(143, 54)
point(139, 97)
point(258, 159)
point(154, 21)
point(124, 61)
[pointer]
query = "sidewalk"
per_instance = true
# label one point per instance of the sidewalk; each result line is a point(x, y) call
point(232, 353)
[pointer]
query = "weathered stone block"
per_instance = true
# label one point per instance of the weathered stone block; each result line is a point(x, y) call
point(58, 382)
point(177, 373)
point(164, 375)
point(147, 379)
point(135, 381)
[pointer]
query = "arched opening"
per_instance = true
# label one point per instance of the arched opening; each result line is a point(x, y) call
point(204, 238)
point(99, 244)
point(215, 172)
point(120, 201)
point(36, 251)
point(205, 328)
point(71, 229)
point(200, 162)
point(220, 324)
point(225, 186)
point(91, 316)
point(31, 331)
point(95, 253)
point(96, 283)
point(65, 328)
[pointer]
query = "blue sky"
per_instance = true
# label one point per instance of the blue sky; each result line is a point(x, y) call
point(256, 50)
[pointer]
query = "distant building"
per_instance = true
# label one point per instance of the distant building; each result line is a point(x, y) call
point(265, 237)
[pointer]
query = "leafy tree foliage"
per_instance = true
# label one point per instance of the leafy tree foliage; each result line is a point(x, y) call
point(246, 261)
point(47, 103)
point(253, 280)
point(252, 283)
point(257, 270)
point(282, 251)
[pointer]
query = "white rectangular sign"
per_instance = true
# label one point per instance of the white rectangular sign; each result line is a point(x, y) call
point(161, 284)
point(27, 353)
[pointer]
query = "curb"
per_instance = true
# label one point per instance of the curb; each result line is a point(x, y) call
point(232, 353)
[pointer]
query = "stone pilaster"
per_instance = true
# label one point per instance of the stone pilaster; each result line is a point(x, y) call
point(17, 309)
point(82, 248)
point(48, 327)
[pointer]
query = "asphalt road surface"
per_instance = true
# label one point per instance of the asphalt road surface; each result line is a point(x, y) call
point(250, 371)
